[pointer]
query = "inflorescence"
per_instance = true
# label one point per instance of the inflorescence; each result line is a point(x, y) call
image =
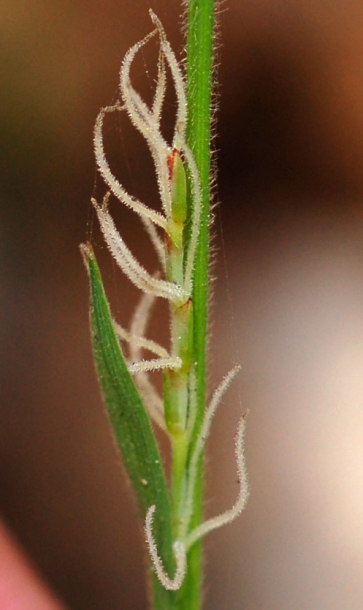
point(165, 229)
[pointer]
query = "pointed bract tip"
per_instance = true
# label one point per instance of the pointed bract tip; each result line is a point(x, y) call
point(156, 21)
point(87, 253)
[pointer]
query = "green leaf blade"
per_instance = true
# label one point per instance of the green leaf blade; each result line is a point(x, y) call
point(130, 423)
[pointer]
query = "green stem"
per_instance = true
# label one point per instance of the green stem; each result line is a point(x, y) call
point(185, 174)
point(179, 458)
point(199, 89)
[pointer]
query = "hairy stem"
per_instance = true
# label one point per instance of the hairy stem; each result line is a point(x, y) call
point(199, 92)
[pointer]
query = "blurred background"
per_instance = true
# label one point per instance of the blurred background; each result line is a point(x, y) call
point(288, 285)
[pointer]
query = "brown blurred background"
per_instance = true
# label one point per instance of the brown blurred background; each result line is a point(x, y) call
point(289, 299)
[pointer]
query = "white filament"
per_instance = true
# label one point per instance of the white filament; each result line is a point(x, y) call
point(202, 439)
point(131, 267)
point(229, 515)
point(171, 584)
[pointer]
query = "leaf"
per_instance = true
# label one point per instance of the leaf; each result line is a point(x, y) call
point(131, 427)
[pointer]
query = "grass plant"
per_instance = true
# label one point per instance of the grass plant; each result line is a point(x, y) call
point(125, 358)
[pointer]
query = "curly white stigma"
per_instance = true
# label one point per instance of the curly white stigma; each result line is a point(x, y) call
point(147, 120)
point(172, 584)
point(188, 538)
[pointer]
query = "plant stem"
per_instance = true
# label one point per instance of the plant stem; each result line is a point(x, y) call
point(199, 88)
point(179, 458)
point(183, 175)
point(199, 91)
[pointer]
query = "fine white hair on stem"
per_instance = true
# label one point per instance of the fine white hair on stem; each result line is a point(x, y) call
point(192, 412)
point(171, 584)
point(114, 185)
point(157, 364)
point(229, 515)
point(131, 267)
point(201, 440)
